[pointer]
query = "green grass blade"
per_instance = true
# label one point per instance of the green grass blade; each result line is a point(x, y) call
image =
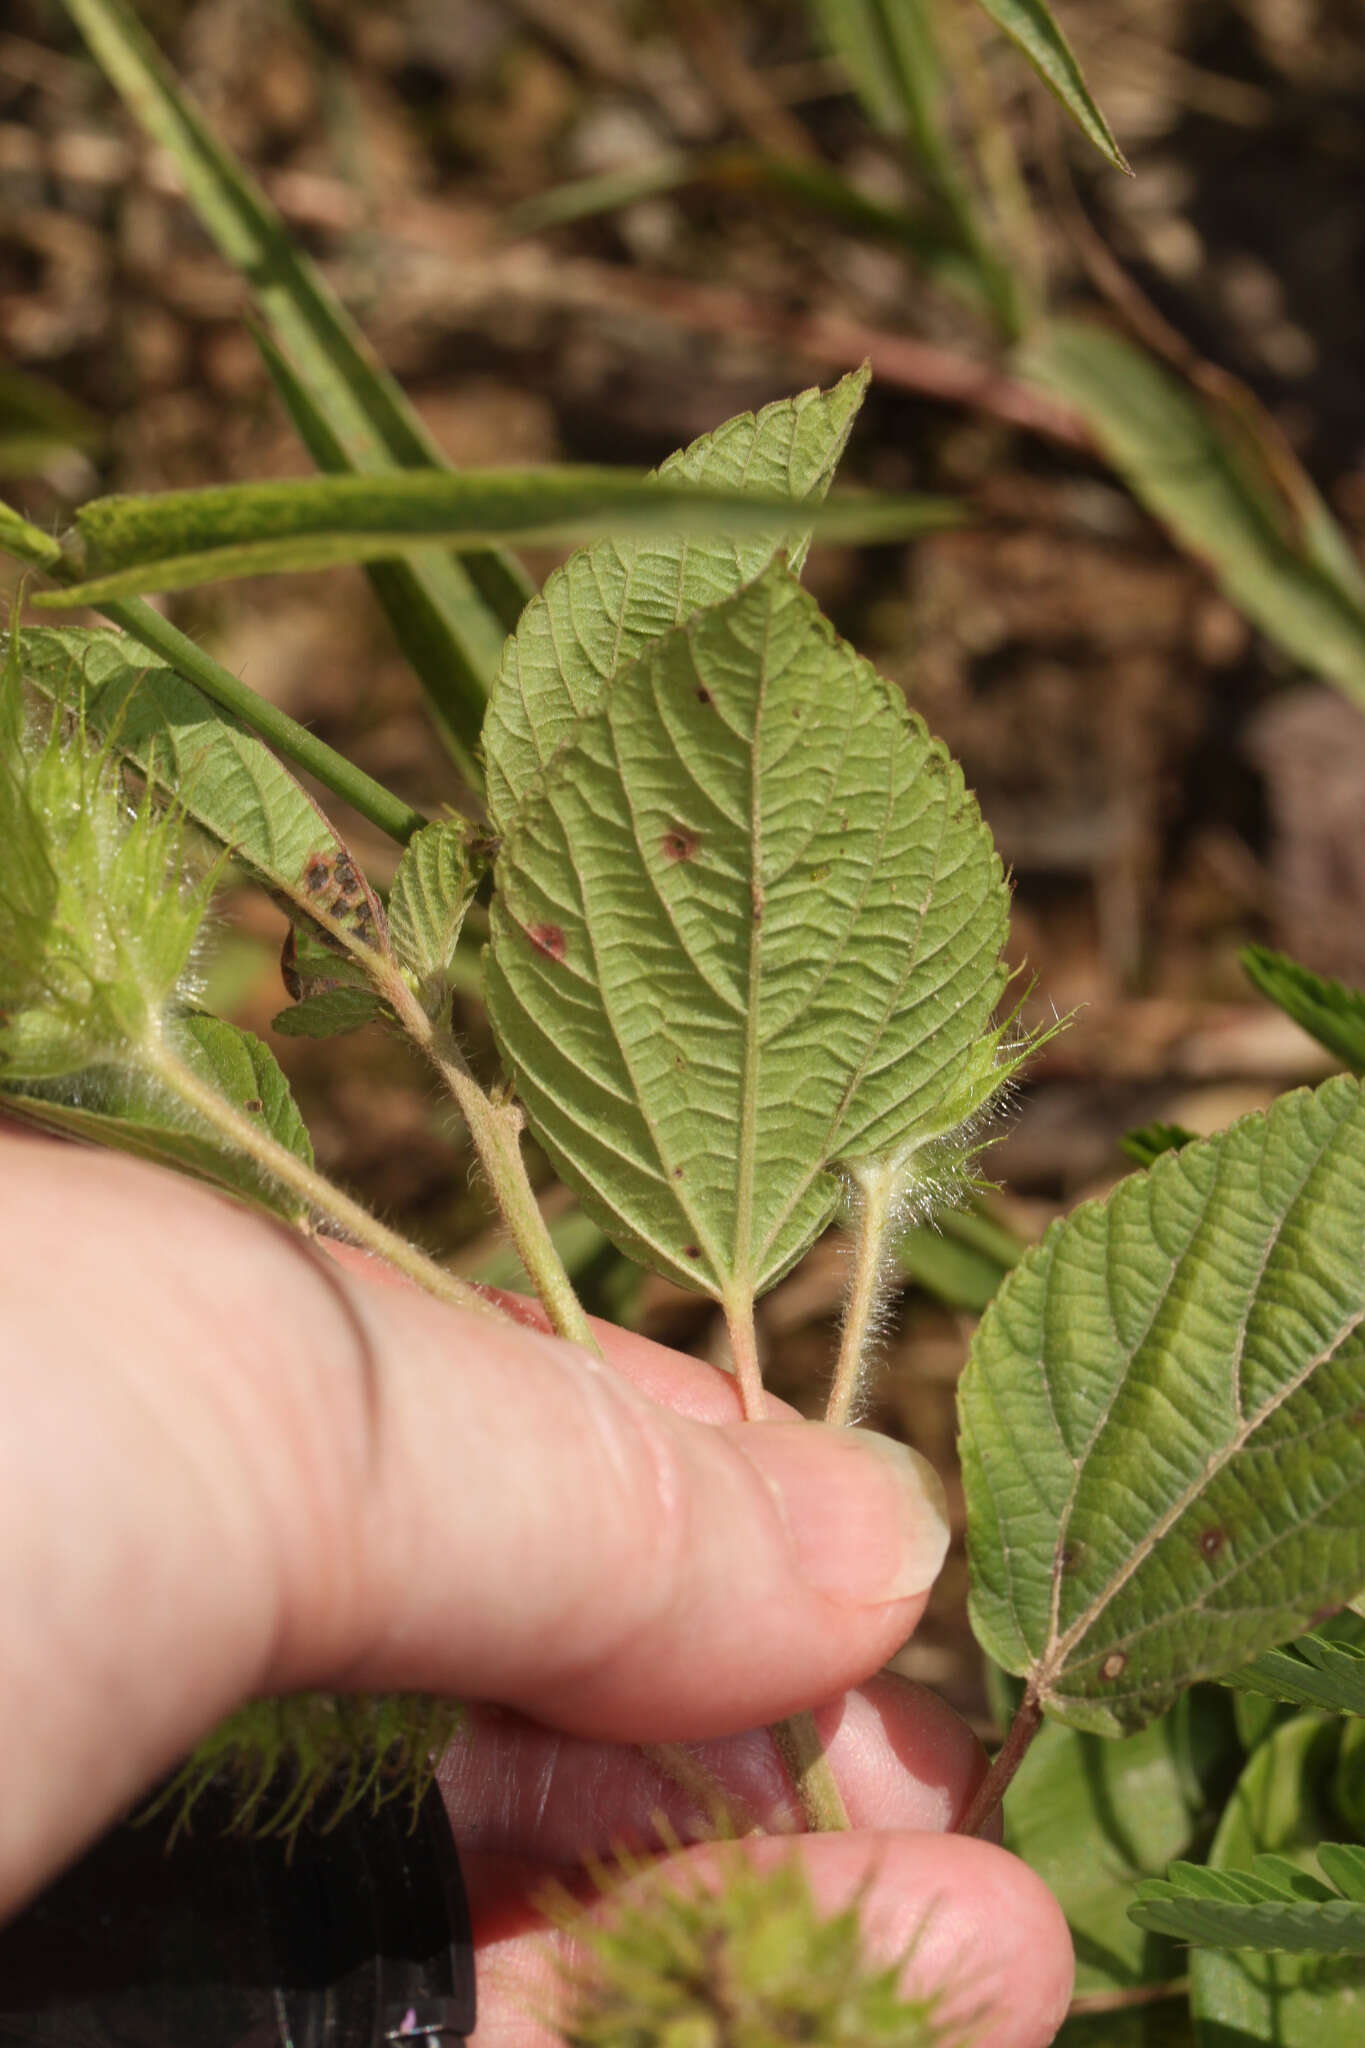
point(1327, 1010)
point(365, 412)
point(433, 613)
point(172, 540)
point(1032, 26)
point(1162, 1451)
point(691, 905)
point(1182, 462)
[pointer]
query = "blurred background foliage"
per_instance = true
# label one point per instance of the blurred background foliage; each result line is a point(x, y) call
point(592, 232)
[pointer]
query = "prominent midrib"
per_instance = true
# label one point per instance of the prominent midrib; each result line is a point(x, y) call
point(742, 1275)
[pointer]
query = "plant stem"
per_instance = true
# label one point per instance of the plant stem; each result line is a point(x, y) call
point(739, 1320)
point(284, 1166)
point(686, 1770)
point(801, 1750)
point(495, 1128)
point(398, 820)
point(877, 1191)
point(1028, 1719)
point(289, 739)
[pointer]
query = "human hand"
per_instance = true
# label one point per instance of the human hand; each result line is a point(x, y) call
point(230, 1467)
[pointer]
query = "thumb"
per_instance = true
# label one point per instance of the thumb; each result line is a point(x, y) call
point(233, 1468)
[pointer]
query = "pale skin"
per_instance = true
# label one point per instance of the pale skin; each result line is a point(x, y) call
point(231, 1466)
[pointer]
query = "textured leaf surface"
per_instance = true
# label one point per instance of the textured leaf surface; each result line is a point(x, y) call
point(329, 1014)
point(746, 926)
point(1327, 1010)
point(609, 602)
point(1273, 1905)
point(1032, 26)
point(1313, 1672)
point(1282, 1804)
point(1161, 1418)
point(224, 778)
point(122, 1111)
point(172, 540)
point(1180, 460)
point(431, 894)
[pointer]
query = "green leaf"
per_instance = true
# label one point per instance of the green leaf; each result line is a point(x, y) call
point(609, 602)
point(1149, 1141)
point(172, 540)
point(1093, 1817)
point(1031, 25)
point(1327, 1010)
point(1312, 1672)
point(431, 894)
point(122, 1110)
point(223, 777)
point(1162, 1451)
point(746, 929)
point(329, 1014)
point(1272, 1906)
point(350, 396)
point(1180, 459)
point(1282, 1805)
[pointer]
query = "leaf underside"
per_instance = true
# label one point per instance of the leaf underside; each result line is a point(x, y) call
point(1274, 1905)
point(608, 602)
point(428, 903)
point(746, 928)
point(122, 1111)
point(1163, 1419)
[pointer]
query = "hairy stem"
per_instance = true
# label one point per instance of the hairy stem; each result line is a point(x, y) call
point(739, 1320)
point(801, 1750)
point(321, 1195)
point(1028, 1719)
point(686, 1770)
point(866, 1288)
point(495, 1128)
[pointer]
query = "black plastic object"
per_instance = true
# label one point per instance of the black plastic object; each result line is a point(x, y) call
point(357, 1936)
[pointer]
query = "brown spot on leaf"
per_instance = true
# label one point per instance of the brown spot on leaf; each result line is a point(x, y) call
point(255, 1105)
point(1212, 1541)
point(693, 1251)
point(679, 843)
point(1114, 1664)
point(547, 938)
point(703, 696)
point(677, 1173)
point(1070, 1556)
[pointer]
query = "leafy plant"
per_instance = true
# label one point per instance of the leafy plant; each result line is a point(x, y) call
point(744, 973)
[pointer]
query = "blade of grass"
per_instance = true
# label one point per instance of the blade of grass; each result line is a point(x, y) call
point(469, 604)
point(890, 52)
point(293, 742)
point(1029, 24)
point(171, 540)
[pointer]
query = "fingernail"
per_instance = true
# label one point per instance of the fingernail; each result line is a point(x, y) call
point(867, 1518)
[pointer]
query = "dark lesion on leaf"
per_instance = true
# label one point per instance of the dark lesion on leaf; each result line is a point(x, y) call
point(1114, 1665)
point(255, 1107)
point(679, 843)
point(1212, 1541)
point(1069, 1556)
point(693, 1251)
point(547, 939)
